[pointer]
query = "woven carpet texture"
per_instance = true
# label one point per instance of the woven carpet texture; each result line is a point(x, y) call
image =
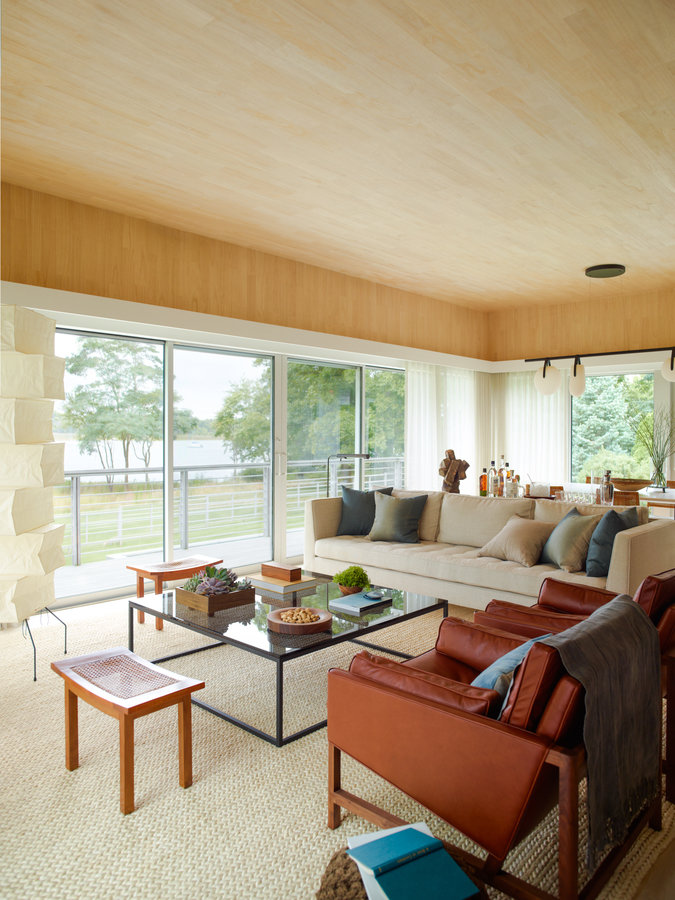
point(253, 824)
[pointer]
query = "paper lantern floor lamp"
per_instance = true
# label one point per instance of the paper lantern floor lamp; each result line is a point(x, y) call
point(31, 463)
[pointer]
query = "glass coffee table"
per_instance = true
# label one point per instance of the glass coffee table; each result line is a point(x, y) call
point(245, 627)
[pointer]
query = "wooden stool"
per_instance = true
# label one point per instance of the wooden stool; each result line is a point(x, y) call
point(127, 687)
point(167, 571)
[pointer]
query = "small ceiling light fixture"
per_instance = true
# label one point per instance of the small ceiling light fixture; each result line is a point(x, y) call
point(577, 378)
point(607, 270)
point(548, 379)
point(668, 367)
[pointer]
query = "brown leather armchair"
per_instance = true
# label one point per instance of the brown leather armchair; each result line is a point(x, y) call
point(563, 604)
point(424, 728)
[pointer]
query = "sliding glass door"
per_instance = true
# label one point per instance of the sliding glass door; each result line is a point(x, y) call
point(323, 403)
point(222, 439)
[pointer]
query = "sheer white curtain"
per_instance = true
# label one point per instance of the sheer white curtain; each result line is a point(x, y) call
point(531, 430)
point(440, 414)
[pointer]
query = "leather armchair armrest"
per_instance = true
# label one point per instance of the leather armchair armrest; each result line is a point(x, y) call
point(474, 645)
point(574, 599)
point(473, 771)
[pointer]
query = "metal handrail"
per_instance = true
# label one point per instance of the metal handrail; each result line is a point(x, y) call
point(259, 504)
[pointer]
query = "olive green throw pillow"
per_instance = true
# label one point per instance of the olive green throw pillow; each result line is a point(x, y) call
point(397, 518)
point(358, 510)
point(520, 540)
point(567, 546)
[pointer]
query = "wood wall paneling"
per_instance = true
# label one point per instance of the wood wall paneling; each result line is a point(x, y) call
point(52, 242)
point(58, 243)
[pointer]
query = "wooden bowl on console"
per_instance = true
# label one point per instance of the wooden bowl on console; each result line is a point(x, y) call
point(630, 484)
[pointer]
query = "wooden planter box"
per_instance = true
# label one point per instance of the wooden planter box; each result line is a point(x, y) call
point(210, 605)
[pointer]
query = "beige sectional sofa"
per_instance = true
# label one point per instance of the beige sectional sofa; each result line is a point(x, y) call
point(453, 527)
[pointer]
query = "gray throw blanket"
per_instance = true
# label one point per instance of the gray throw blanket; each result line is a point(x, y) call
point(615, 655)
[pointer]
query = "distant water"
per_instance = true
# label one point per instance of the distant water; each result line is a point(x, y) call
point(204, 452)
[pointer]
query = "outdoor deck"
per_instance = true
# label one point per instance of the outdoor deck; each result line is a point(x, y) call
point(111, 578)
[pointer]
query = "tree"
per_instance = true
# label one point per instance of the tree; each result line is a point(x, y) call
point(321, 413)
point(120, 399)
point(599, 422)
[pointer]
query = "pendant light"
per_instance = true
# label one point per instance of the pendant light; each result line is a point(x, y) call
point(577, 378)
point(548, 379)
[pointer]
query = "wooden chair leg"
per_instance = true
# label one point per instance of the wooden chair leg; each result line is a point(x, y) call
point(185, 742)
point(334, 784)
point(568, 828)
point(72, 740)
point(126, 764)
point(140, 616)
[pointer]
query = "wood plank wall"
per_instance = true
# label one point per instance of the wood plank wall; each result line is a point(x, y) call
point(57, 243)
point(52, 242)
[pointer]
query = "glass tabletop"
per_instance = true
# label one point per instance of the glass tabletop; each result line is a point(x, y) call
point(246, 625)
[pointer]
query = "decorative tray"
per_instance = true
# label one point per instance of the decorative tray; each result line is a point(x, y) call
point(276, 623)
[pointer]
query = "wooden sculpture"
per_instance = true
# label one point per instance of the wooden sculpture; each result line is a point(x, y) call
point(453, 471)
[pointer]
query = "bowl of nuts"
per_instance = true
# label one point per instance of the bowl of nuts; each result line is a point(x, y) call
point(299, 620)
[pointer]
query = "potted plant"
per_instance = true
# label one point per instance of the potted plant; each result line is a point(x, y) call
point(213, 589)
point(655, 433)
point(352, 580)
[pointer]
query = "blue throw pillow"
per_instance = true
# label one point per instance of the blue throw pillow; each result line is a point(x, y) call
point(602, 540)
point(499, 675)
point(358, 510)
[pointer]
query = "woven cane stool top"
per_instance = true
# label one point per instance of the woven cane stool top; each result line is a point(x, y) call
point(123, 676)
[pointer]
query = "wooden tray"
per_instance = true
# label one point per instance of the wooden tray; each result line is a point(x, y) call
point(210, 605)
point(275, 623)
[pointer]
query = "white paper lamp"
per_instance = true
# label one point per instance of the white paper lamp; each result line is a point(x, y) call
point(668, 368)
point(547, 379)
point(577, 379)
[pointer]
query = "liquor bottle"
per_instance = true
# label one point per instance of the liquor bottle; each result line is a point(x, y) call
point(483, 484)
point(501, 474)
point(493, 481)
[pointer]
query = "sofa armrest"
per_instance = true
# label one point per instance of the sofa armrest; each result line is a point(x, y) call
point(322, 519)
point(638, 552)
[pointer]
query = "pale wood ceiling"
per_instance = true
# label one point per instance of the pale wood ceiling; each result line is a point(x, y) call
point(479, 152)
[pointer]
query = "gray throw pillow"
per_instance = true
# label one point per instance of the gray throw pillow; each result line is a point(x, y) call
point(520, 540)
point(358, 510)
point(602, 540)
point(397, 518)
point(567, 546)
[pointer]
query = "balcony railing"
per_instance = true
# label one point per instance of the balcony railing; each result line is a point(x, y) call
point(119, 512)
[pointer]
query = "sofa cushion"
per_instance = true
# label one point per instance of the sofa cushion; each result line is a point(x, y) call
point(555, 510)
point(397, 519)
point(358, 510)
point(476, 520)
point(567, 546)
point(520, 540)
point(431, 514)
point(602, 539)
point(458, 564)
point(424, 684)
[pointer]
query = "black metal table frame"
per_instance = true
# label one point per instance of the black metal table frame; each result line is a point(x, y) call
point(277, 739)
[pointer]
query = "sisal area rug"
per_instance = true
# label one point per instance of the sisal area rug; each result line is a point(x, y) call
point(253, 825)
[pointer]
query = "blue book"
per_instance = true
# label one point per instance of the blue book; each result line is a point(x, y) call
point(409, 864)
point(355, 604)
point(394, 850)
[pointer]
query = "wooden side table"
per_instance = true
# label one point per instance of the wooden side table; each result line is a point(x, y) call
point(167, 571)
point(126, 687)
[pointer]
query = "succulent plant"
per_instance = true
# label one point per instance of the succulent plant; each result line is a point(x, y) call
point(211, 581)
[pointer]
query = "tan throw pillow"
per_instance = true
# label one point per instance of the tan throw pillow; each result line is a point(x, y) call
point(567, 546)
point(520, 540)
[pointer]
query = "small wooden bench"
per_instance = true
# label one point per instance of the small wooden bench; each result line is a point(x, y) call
point(126, 687)
point(158, 573)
